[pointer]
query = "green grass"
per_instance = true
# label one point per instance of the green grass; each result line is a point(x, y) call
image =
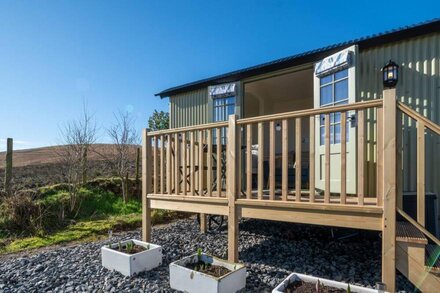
point(88, 230)
point(100, 211)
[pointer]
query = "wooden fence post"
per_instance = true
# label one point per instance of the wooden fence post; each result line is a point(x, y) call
point(389, 189)
point(231, 188)
point(146, 186)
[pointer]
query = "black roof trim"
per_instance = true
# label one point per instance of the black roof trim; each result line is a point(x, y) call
point(309, 56)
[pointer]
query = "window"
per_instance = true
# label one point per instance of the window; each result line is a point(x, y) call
point(223, 107)
point(333, 90)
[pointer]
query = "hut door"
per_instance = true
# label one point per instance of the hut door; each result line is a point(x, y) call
point(335, 84)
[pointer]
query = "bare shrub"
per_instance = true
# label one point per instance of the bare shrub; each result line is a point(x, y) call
point(78, 136)
point(21, 212)
point(124, 137)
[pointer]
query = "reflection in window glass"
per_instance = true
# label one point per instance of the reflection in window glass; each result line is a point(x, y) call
point(333, 91)
point(326, 94)
point(341, 90)
point(341, 74)
point(223, 107)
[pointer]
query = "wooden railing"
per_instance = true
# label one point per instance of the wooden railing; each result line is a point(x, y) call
point(193, 161)
point(186, 161)
point(423, 124)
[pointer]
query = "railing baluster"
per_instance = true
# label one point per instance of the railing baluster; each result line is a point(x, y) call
point(201, 166)
point(399, 160)
point(184, 165)
point(379, 156)
point(298, 138)
point(177, 164)
point(327, 158)
point(239, 162)
point(285, 160)
point(209, 159)
point(421, 173)
point(271, 160)
point(169, 164)
point(312, 159)
point(249, 161)
point(344, 157)
point(162, 161)
point(219, 162)
point(192, 158)
point(260, 159)
point(361, 156)
point(155, 177)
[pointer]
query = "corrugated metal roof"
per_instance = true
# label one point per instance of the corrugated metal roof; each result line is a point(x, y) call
point(309, 56)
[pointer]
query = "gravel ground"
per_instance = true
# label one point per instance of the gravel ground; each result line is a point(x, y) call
point(270, 251)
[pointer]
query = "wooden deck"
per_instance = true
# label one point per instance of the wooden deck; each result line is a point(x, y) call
point(208, 169)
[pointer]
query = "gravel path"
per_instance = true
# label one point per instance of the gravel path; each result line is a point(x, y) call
point(270, 250)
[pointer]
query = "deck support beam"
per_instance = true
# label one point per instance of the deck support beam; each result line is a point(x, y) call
point(389, 189)
point(203, 224)
point(231, 189)
point(146, 186)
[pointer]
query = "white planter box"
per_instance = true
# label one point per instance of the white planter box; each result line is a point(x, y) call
point(130, 264)
point(309, 279)
point(187, 280)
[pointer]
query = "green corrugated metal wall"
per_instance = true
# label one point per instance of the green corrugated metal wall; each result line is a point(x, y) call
point(189, 108)
point(419, 88)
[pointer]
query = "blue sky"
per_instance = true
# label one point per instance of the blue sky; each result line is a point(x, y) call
point(116, 55)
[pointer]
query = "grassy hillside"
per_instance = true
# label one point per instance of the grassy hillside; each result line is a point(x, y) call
point(34, 168)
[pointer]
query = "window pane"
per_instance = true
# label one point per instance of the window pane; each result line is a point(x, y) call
point(230, 110)
point(341, 74)
point(322, 136)
point(338, 133)
point(332, 134)
point(326, 95)
point(341, 90)
point(322, 119)
point(332, 118)
point(337, 117)
point(326, 79)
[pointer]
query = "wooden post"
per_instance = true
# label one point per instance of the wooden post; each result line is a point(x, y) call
point(146, 186)
point(8, 165)
point(231, 188)
point(327, 159)
point(260, 160)
point(343, 157)
point(285, 158)
point(312, 159)
point(298, 140)
point(362, 155)
point(389, 190)
point(249, 161)
point(421, 173)
point(203, 226)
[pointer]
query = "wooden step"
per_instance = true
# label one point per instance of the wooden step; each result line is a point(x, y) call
point(433, 258)
point(406, 232)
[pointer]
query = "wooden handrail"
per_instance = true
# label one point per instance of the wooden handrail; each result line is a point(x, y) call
point(190, 128)
point(310, 112)
point(418, 117)
point(418, 226)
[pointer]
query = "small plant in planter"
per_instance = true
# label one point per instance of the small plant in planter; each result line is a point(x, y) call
point(303, 283)
point(204, 273)
point(131, 257)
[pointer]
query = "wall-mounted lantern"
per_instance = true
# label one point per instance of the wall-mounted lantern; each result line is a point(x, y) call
point(390, 74)
point(278, 127)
